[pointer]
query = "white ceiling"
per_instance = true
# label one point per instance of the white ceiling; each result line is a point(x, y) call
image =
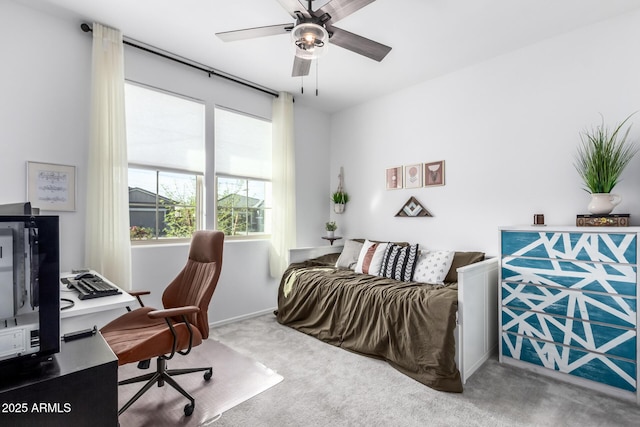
point(429, 37)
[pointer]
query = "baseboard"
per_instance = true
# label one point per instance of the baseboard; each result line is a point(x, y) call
point(243, 317)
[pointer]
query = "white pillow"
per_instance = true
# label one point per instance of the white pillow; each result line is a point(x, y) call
point(349, 255)
point(433, 266)
point(370, 258)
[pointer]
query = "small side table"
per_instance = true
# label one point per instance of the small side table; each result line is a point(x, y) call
point(331, 239)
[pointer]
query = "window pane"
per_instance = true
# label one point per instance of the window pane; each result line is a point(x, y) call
point(256, 206)
point(231, 206)
point(161, 204)
point(142, 204)
point(243, 206)
point(177, 202)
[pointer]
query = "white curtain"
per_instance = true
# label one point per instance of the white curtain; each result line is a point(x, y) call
point(283, 235)
point(107, 246)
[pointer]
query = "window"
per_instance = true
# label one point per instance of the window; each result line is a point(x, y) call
point(163, 204)
point(165, 142)
point(243, 174)
point(244, 208)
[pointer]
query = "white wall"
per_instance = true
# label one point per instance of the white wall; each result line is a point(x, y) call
point(507, 129)
point(312, 185)
point(45, 87)
point(44, 98)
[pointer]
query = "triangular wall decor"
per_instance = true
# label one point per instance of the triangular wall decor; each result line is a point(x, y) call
point(413, 208)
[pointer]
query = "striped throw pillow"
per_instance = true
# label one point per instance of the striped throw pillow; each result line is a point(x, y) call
point(370, 258)
point(399, 262)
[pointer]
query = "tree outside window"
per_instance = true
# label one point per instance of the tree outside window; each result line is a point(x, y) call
point(243, 206)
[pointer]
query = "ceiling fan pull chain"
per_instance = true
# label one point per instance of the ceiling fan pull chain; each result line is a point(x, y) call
point(317, 77)
point(301, 84)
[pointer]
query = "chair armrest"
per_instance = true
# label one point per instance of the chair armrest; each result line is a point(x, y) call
point(173, 312)
point(168, 314)
point(137, 294)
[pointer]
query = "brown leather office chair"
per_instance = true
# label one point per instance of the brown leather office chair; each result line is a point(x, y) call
point(145, 333)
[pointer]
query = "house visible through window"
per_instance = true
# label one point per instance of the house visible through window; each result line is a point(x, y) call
point(243, 174)
point(165, 142)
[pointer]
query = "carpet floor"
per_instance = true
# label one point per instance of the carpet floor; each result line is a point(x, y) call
point(236, 378)
point(328, 386)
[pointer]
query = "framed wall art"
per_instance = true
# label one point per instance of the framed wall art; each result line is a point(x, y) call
point(394, 178)
point(434, 173)
point(413, 176)
point(51, 187)
point(413, 209)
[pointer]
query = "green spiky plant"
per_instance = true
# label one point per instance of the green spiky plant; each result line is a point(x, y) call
point(340, 197)
point(602, 157)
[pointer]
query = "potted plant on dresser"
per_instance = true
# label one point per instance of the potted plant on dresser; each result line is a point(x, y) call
point(600, 160)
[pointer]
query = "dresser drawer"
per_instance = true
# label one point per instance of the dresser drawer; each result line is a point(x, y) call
point(603, 247)
point(592, 366)
point(597, 307)
point(579, 275)
point(595, 337)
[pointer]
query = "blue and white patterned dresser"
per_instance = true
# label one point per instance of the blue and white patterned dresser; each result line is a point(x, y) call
point(568, 304)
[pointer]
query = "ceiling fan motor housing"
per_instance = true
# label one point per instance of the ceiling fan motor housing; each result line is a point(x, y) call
point(310, 40)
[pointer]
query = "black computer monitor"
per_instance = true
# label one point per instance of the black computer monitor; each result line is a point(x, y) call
point(29, 288)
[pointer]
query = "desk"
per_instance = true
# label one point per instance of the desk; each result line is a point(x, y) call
point(76, 387)
point(85, 314)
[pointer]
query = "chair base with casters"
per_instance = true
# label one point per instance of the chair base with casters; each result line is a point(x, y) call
point(169, 326)
point(161, 376)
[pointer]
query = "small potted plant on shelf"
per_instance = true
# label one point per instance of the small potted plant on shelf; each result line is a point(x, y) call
point(331, 228)
point(340, 199)
point(600, 160)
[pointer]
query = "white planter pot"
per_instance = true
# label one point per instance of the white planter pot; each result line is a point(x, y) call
point(603, 203)
point(330, 233)
point(338, 208)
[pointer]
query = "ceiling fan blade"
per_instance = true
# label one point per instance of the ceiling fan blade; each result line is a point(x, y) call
point(292, 6)
point(339, 9)
point(358, 44)
point(251, 33)
point(301, 67)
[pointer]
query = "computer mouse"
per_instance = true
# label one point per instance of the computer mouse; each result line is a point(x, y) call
point(83, 276)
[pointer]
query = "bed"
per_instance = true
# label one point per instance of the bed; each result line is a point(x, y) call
point(438, 334)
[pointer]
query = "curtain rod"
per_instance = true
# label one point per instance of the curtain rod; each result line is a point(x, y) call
point(184, 61)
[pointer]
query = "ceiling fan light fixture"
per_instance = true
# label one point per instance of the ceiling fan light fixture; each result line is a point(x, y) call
point(309, 40)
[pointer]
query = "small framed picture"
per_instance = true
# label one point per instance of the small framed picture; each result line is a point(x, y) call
point(434, 173)
point(51, 187)
point(413, 176)
point(394, 178)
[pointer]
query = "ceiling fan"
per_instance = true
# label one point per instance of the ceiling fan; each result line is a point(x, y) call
point(312, 30)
